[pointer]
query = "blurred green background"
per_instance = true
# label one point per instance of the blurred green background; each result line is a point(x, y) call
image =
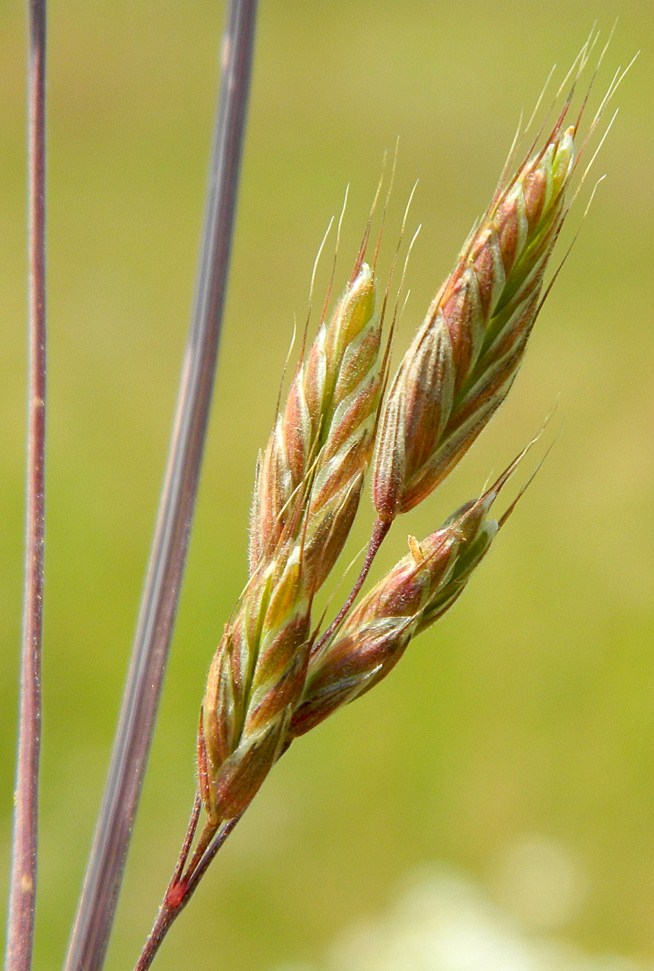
point(526, 717)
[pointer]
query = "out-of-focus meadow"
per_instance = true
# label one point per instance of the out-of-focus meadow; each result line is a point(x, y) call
point(515, 741)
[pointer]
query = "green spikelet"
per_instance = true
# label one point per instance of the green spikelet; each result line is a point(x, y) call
point(255, 679)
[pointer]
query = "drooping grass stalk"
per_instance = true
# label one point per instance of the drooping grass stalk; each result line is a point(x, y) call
point(22, 891)
point(159, 602)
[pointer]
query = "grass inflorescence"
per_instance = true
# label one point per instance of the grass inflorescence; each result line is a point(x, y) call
point(277, 672)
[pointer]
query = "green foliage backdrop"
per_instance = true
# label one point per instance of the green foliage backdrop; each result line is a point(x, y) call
point(530, 708)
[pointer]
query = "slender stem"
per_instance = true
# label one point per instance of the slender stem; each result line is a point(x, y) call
point(185, 879)
point(159, 601)
point(188, 841)
point(204, 839)
point(178, 895)
point(379, 533)
point(22, 894)
point(208, 857)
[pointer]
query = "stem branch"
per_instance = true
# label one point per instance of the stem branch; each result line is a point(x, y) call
point(379, 533)
point(180, 890)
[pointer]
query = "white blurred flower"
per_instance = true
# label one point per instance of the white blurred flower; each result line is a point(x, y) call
point(443, 922)
point(541, 882)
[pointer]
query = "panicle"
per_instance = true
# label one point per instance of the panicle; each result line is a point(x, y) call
point(465, 356)
point(310, 476)
point(272, 678)
point(416, 592)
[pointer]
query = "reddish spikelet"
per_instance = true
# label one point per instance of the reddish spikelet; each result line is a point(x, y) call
point(416, 592)
point(310, 476)
point(465, 356)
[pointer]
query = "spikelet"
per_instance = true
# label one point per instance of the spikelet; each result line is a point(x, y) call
point(254, 682)
point(310, 476)
point(416, 592)
point(465, 356)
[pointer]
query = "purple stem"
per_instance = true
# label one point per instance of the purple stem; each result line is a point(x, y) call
point(22, 893)
point(182, 891)
point(97, 905)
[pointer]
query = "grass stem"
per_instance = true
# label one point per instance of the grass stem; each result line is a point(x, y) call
point(22, 893)
point(379, 533)
point(164, 577)
point(182, 888)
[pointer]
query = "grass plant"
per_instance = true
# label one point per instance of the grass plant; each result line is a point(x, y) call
point(283, 666)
